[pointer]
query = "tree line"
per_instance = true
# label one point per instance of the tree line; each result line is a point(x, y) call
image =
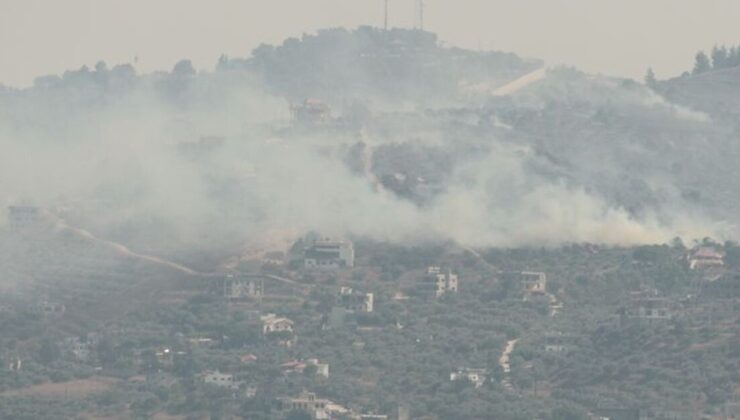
point(720, 58)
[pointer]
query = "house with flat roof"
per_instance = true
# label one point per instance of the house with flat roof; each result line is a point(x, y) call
point(647, 307)
point(243, 287)
point(438, 282)
point(557, 342)
point(533, 282)
point(477, 377)
point(317, 408)
point(220, 379)
point(311, 112)
point(272, 323)
point(23, 217)
point(329, 254)
point(356, 301)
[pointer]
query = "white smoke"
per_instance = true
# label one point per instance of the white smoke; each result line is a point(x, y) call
point(121, 168)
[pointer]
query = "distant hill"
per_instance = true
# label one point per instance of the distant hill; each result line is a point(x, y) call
point(400, 63)
point(569, 157)
point(716, 92)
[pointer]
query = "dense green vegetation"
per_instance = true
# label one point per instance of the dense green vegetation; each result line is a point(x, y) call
point(93, 329)
point(402, 354)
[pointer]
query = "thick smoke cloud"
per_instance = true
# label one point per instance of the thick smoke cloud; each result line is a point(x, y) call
point(141, 168)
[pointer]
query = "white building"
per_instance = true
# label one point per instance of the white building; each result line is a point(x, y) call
point(224, 380)
point(23, 217)
point(243, 287)
point(356, 301)
point(534, 282)
point(438, 282)
point(476, 376)
point(77, 349)
point(297, 366)
point(557, 342)
point(646, 306)
point(272, 323)
point(318, 408)
point(705, 257)
point(328, 254)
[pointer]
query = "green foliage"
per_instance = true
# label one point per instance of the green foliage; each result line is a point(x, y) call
point(701, 63)
point(298, 415)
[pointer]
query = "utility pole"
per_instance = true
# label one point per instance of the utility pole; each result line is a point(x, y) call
point(419, 14)
point(385, 20)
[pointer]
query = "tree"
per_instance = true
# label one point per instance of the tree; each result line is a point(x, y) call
point(183, 68)
point(298, 415)
point(733, 57)
point(719, 57)
point(223, 63)
point(101, 67)
point(568, 412)
point(107, 353)
point(701, 64)
point(732, 254)
point(310, 370)
point(650, 80)
point(646, 254)
point(49, 351)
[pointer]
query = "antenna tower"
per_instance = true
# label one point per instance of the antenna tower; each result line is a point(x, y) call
point(419, 15)
point(385, 19)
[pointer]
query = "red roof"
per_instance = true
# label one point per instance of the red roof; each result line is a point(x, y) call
point(293, 365)
point(248, 358)
point(707, 253)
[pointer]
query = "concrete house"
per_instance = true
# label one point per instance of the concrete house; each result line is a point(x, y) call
point(705, 257)
point(533, 282)
point(329, 254)
point(272, 323)
point(224, 380)
point(243, 287)
point(557, 343)
point(438, 283)
point(646, 306)
point(77, 349)
point(23, 217)
point(299, 367)
point(311, 112)
point(477, 377)
point(356, 301)
point(318, 408)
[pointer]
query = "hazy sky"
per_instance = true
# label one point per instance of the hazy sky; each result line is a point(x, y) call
point(616, 37)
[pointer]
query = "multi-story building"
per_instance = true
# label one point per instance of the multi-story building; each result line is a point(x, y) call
point(241, 287)
point(328, 254)
point(317, 408)
point(356, 301)
point(311, 112)
point(23, 217)
point(705, 257)
point(646, 306)
point(438, 283)
point(224, 380)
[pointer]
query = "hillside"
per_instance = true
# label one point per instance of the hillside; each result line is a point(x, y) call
point(716, 92)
